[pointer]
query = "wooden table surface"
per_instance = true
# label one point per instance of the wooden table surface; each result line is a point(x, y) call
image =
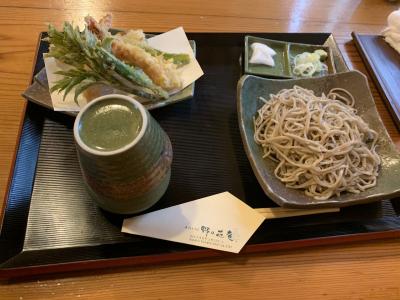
point(369, 270)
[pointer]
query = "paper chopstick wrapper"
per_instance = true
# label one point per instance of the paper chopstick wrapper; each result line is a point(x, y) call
point(221, 222)
point(173, 41)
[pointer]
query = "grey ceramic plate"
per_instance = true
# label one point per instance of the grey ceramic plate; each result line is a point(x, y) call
point(250, 88)
point(38, 92)
point(285, 52)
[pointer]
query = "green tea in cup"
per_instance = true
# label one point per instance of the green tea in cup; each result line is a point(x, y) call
point(124, 154)
point(110, 126)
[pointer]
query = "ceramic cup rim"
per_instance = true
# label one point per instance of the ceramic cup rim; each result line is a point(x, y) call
point(136, 103)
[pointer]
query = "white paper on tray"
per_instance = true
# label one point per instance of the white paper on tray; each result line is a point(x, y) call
point(174, 41)
point(52, 66)
point(221, 222)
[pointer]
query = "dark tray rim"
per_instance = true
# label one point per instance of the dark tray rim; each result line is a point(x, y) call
point(169, 257)
point(18, 140)
point(145, 260)
point(376, 76)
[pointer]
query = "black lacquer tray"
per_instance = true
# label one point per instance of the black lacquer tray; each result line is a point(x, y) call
point(51, 225)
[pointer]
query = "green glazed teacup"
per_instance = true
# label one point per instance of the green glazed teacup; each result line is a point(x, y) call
point(124, 154)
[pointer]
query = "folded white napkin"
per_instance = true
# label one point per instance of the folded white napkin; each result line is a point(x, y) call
point(392, 32)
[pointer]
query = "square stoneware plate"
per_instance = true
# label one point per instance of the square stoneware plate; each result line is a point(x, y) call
point(250, 88)
point(285, 53)
point(39, 93)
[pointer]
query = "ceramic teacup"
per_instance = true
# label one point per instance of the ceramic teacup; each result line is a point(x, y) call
point(124, 154)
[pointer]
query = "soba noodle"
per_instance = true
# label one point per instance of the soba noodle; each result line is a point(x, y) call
point(319, 143)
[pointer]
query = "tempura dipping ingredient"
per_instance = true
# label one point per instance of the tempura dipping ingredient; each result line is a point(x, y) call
point(262, 54)
point(307, 64)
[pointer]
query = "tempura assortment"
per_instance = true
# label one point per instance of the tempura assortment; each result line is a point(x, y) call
point(124, 60)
